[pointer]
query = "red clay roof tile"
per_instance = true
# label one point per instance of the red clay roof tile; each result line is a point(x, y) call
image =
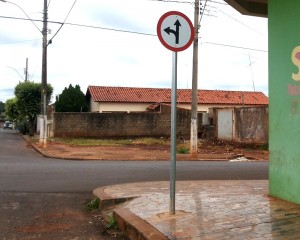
point(154, 95)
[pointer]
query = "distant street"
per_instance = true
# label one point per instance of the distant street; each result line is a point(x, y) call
point(34, 189)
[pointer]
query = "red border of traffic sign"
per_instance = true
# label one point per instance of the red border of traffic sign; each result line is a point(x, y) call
point(158, 30)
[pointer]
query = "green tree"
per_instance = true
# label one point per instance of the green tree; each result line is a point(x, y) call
point(11, 109)
point(71, 99)
point(2, 107)
point(28, 96)
point(2, 110)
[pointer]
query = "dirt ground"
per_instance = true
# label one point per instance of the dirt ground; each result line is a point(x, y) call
point(207, 150)
point(52, 216)
point(234, 149)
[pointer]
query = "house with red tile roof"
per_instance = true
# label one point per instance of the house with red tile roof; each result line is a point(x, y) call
point(130, 99)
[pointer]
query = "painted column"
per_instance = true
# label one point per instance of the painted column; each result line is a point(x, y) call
point(284, 98)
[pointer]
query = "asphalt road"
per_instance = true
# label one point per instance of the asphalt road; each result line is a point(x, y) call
point(24, 170)
point(42, 198)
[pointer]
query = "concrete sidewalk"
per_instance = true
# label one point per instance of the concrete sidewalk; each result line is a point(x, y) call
point(204, 210)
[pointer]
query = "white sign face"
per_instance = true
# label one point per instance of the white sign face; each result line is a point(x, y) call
point(175, 31)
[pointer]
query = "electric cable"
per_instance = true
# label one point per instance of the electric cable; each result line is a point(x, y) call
point(133, 32)
point(83, 25)
point(233, 46)
point(50, 41)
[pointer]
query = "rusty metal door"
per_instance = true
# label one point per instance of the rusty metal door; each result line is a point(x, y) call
point(225, 124)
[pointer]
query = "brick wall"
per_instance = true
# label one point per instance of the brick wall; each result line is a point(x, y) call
point(120, 124)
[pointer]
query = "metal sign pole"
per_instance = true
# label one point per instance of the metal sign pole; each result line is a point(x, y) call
point(173, 135)
point(175, 39)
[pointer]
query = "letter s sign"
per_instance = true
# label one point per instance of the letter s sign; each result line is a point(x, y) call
point(296, 61)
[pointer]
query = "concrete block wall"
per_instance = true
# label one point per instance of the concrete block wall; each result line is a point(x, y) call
point(249, 124)
point(252, 124)
point(121, 124)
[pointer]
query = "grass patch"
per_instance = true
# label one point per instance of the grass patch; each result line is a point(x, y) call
point(183, 149)
point(264, 146)
point(110, 142)
point(92, 204)
point(33, 140)
point(151, 141)
point(89, 142)
point(111, 222)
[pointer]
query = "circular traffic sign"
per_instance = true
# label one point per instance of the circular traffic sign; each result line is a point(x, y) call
point(175, 31)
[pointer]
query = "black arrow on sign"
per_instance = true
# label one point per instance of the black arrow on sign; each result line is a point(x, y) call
point(168, 30)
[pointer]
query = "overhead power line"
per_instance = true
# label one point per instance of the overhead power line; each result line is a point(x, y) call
point(191, 2)
point(49, 3)
point(171, 1)
point(240, 22)
point(83, 25)
point(50, 41)
point(17, 42)
point(201, 15)
point(133, 32)
point(232, 46)
point(29, 19)
point(222, 3)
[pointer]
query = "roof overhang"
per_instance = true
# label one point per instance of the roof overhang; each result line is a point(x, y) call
point(250, 7)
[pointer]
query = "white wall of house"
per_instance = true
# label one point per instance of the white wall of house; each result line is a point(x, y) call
point(94, 106)
point(142, 107)
point(119, 107)
point(206, 107)
point(200, 108)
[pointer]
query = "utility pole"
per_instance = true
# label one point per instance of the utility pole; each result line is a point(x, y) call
point(26, 70)
point(43, 127)
point(194, 106)
point(250, 64)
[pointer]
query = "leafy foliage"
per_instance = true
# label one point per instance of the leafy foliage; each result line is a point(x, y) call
point(11, 109)
point(183, 150)
point(2, 107)
point(2, 110)
point(28, 101)
point(71, 99)
point(93, 204)
point(23, 126)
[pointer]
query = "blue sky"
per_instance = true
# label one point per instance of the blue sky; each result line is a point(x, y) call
point(97, 56)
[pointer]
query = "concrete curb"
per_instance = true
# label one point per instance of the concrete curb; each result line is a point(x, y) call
point(34, 147)
point(136, 228)
point(106, 200)
point(131, 225)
